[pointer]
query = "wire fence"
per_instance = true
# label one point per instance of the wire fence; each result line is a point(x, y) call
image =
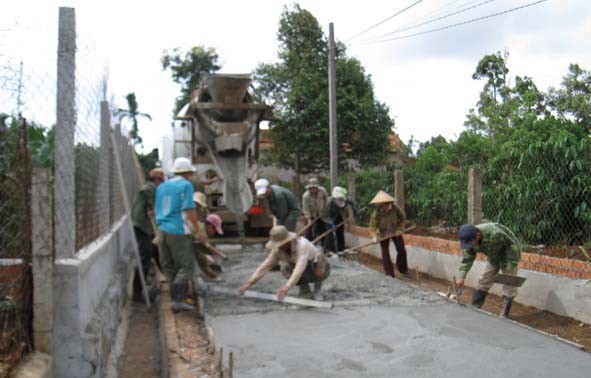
point(58, 120)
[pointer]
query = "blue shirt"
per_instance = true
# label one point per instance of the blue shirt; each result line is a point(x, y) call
point(172, 197)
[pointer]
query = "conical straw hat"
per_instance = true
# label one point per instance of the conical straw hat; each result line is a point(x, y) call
point(382, 197)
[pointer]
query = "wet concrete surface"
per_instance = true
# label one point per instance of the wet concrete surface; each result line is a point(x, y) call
point(380, 327)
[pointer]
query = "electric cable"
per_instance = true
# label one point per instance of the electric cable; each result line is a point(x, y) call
point(431, 20)
point(457, 24)
point(384, 20)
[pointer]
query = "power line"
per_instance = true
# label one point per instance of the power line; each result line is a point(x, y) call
point(459, 23)
point(386, 19)
point(432, 20)
point(436, 12)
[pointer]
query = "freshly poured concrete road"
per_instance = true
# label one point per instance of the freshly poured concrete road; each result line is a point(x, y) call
point(380, 327)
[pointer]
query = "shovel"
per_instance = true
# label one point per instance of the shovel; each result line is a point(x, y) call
point(509, 280)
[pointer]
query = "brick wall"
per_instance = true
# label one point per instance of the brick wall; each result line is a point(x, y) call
point(560, 267)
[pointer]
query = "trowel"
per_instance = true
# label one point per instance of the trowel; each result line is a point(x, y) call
point(509, 280)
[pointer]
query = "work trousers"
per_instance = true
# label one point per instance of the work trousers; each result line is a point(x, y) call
point(314, 272)
point(146, 249)
point(486, 279)
point(401, 262)
point(176, 257)
point(317, 229)
point(336, 240)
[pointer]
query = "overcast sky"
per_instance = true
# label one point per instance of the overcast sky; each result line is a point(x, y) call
point(425, 80)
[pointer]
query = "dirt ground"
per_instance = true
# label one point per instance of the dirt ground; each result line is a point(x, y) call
point(141, 357)
point(561, 326)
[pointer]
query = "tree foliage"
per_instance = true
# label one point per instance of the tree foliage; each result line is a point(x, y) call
point(188, 69)
point(132, 113)
point(297, 87)
point(534, 152)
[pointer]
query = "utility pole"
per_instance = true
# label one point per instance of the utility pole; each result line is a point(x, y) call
point(332, 107)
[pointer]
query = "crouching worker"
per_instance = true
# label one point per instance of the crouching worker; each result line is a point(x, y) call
point(299, 260)
point(202, 250)
point(503, 251)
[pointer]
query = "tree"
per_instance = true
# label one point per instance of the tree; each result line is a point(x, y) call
point(132, 113)
point(574, 99)
point(187, 69)
point(297, 87)
point(491, 113)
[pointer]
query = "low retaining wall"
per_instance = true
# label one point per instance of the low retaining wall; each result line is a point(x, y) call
point(561, 286)
point(89, 294)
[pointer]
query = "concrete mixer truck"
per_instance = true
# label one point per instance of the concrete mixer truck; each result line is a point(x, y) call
point(219, 130)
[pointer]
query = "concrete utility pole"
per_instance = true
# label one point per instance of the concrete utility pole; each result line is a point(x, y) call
point(332, 106)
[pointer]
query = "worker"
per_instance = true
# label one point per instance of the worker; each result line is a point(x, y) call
point(503, 251)
point(142, 214)
point(301, 263)
point(209, 225)
point(337, 209)
point(175, 211)
point(201, 206)
point(387, 222)
point(281, 202)
point(313, 204)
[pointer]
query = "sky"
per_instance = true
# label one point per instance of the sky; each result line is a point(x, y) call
point(425, 80)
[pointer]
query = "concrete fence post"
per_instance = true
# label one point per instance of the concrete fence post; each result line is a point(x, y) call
point(65, 215)
point(474, 196)
point(399, 188)
point(104, 203)
point(351, 193)
point(42, 260)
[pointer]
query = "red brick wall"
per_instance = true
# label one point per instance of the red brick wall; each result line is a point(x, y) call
point(530, 261)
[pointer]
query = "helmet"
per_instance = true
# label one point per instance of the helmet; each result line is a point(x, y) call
point(261, 186)
point(182, 165)
point(339, 192)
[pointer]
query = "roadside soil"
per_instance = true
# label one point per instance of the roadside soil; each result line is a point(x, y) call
point(567, 328)
point(141, 356)
point(194, 346)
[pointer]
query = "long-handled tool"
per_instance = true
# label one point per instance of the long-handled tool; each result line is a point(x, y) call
point(355, 249)
point(271, 297)
point(306, 227)
point(328, 232)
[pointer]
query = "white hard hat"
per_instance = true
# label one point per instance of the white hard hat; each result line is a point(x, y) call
point(339, 192)
point(261, 186)
point(182, 165)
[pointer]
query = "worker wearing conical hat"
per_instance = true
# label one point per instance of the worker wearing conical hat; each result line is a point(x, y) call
point(387, 222)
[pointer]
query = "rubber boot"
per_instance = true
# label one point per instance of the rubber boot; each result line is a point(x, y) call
point(478, 297)
point(507, 302)
point(317, 295)
point(178, 292)
point(305, 291)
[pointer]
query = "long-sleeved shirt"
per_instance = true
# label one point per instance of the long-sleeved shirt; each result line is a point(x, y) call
point(142, 204)
point(283, 204)
point(302, 252)
point(498, 243)
point(332, 211)
point(386, 223)
point(313, 206)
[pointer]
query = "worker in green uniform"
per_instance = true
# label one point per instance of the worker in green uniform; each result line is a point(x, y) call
point(503, 251)
point(281, 203)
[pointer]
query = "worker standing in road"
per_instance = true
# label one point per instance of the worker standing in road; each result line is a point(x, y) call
point(142, 214)
point(313, 204)
point(299, 261)
point(336, 211)
point(281, 202)
point(175, 215)
point(503, 251)
point(387, 222)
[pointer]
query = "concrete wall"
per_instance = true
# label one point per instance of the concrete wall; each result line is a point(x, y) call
point(552, 292)
point(89, 293)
